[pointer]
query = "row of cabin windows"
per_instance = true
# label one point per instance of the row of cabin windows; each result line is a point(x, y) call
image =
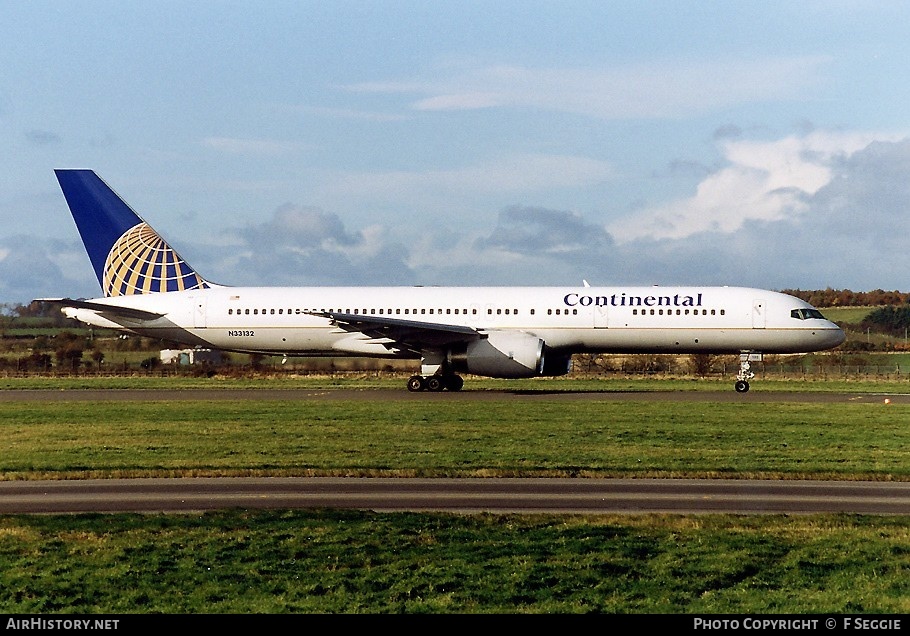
point(280, 311)
point(498, 312)
point(680, 312)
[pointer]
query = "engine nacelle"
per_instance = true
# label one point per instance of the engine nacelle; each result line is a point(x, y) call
point(506, 355)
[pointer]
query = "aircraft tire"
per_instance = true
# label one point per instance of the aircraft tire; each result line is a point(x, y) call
point(741, 386)
point(416, 383)
point(435, 383)
point(454, 383)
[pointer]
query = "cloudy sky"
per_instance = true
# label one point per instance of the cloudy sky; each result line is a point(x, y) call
point(430, 142)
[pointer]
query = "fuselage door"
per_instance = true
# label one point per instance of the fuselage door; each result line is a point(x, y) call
point(600, 316)
point(199, 312)
point(758, 314)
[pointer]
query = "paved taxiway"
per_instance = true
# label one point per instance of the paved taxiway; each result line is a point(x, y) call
point(455, 495)
point(377, 395)
point(554, 495)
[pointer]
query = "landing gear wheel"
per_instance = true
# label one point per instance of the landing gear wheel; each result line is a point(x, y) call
point(454, 382)
point(435, 383)
point(741, 386)
point(416, 383)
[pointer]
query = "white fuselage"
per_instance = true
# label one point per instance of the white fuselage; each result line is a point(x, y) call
point(281, 320)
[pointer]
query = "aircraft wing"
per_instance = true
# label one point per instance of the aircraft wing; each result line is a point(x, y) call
point(411, 335)
point(111, 312)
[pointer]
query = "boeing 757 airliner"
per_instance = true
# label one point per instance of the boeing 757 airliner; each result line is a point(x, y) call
point(502, 332)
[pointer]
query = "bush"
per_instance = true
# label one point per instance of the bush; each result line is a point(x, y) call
point(890, 320)
point(152, 362)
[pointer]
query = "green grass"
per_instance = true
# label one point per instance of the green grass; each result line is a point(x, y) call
point(847, 315)
point(321, 561)
point(349, 562)
point(497, 436)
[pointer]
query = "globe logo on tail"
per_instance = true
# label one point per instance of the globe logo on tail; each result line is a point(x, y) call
point(140, 262)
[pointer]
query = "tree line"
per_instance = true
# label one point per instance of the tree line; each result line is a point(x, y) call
point(848, 298)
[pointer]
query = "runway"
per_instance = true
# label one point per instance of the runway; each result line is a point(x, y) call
point(560, 496)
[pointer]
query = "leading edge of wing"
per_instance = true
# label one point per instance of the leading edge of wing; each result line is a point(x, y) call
point(104, 309)
point(411, 334)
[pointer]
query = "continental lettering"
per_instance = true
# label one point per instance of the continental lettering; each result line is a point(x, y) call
point(626, 300)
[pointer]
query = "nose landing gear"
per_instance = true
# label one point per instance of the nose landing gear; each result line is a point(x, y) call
point(745, 374)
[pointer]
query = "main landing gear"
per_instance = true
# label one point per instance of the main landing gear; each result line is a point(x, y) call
point(450, 382)
point(745, 374)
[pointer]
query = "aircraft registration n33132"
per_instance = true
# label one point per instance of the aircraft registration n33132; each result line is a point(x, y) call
point(501, 332)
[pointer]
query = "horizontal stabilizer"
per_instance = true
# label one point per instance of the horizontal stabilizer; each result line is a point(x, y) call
point(113, 311)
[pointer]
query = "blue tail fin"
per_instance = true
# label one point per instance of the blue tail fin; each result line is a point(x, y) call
point(128, 255)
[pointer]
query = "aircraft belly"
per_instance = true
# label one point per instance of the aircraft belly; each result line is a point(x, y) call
point(684, 341)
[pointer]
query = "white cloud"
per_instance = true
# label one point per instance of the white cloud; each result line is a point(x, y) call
point(762, 181)
point(664, 89)
point(36, 267)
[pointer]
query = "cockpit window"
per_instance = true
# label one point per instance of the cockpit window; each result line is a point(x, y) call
point(805, 314)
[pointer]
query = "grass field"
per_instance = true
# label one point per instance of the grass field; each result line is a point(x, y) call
point(847, 315)
point(317, 561)
point(496, 437)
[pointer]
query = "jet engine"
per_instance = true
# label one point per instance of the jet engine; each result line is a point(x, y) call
point(508, 355)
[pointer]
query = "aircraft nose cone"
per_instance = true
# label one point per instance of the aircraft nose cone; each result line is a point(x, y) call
point(835, 336)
